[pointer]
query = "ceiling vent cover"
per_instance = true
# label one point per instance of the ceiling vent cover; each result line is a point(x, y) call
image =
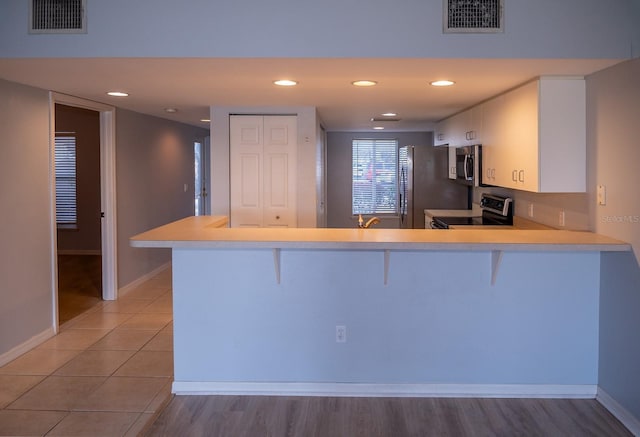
point(57, 16)
point(473, 16)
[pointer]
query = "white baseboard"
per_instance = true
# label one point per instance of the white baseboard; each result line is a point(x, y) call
point(25, 347)
point(80, 252)
point(622, 414)
point(142, 279)
point(385, 390)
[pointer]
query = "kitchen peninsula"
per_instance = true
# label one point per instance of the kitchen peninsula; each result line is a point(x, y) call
point(383, 311)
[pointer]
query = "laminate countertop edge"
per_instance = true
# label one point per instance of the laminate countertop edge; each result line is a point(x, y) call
point(211, 232)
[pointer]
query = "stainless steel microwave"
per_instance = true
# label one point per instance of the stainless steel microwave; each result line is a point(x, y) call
point(469, 165)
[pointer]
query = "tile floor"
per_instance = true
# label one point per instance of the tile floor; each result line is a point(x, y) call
point(106, 373)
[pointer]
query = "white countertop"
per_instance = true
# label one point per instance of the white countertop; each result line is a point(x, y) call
point(205, 232)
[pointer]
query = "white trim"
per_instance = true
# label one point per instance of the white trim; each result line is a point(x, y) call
point(53, 229)
point(80, 252)
point(142, 279)
point(622, 414)
point(22, 348)
point(385, 390)
point(108, 199)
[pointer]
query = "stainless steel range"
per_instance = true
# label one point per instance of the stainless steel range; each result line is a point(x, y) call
point(496, 211)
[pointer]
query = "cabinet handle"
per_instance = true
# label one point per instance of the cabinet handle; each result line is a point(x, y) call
point(521, 176)
point(514, 175)
point(493, 173)
point(278, 217)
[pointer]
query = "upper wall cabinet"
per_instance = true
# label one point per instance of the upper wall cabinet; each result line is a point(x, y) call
point(534, 137)
point(462, 129)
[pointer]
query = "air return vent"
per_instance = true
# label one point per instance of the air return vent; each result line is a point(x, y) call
point(473, 16)
point(57, 16)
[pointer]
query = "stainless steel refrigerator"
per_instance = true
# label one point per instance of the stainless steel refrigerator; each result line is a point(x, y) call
point(424, 184)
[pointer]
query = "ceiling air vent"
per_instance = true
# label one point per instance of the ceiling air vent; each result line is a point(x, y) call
point(57, 16)
point(473, 16)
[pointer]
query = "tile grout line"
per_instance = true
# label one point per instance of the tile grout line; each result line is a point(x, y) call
point(161, 293)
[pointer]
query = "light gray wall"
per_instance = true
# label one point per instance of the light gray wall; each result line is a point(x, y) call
point(613, 102)
point(434, 175)
point(294, 28)
point(26, 308)
point(86, 125)
point(154, 159)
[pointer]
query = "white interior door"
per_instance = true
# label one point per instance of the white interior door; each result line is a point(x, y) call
point(262, 171)
point(280, 140)
point(245, 171)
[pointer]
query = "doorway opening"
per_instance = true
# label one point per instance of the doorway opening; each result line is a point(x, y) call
point(84, 234)
point(78, 210)
point(201, 171)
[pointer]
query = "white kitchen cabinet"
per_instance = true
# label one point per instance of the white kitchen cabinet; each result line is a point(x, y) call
point(534, 137)
point(462, 129)
point(493, 141)
point(452, 163)
point(442, 135)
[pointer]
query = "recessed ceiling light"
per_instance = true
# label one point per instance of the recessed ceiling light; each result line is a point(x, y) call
point(378, 127)
point(389, 114)
point(205, 120)
point(442, 83)
point(118, 94)
point(170, 110)
point(364, 83)
point(285, 82)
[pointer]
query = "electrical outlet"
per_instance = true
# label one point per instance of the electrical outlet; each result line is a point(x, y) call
point(531, 209)
point(561, 218)
point(341, 334)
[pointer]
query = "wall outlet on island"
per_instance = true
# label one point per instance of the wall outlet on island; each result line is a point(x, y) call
point(530, 212)
point(561, 218)
point(341, 334)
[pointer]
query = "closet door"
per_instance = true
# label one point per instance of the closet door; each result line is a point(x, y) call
point(263, 171)
point(246, 134)
point(279, 164)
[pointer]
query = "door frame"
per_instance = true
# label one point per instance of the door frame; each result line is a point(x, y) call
point(107, 194)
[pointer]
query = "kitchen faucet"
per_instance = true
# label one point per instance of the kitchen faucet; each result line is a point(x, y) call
point(372, 221)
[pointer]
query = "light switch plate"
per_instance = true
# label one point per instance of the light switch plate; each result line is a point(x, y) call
point(602, 195)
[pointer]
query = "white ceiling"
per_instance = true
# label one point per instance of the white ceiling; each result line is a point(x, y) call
point(192, 85)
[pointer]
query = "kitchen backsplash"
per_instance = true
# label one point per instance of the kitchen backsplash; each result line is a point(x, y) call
point(547, 208)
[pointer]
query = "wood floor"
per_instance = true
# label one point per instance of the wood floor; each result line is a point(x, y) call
point(371, 417)
point(79, 284)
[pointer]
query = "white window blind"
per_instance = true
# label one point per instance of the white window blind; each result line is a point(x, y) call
point(375, 176)
point(65, 164)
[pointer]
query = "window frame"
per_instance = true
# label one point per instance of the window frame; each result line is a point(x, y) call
point(377, 173)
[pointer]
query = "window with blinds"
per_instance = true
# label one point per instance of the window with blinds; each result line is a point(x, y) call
point(374, 176)
point(65, 165)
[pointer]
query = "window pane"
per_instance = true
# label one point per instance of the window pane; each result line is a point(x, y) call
point(374, 176)
point(65, 164)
